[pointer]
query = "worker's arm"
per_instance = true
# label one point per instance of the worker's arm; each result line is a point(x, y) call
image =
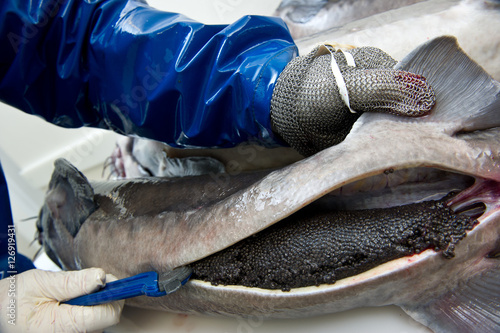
point(123, 65)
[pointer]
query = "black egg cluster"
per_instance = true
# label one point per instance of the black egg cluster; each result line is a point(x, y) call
point(312, 248)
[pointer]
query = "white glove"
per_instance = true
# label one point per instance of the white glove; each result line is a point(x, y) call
point(37, 294)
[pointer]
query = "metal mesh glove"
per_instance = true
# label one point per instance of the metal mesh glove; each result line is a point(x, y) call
point(308, 112)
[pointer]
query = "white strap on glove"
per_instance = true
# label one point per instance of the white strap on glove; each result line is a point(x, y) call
point(30, 302)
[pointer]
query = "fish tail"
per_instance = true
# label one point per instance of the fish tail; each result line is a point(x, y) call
point(466, 95)
point(468, 101)
point(472, 307)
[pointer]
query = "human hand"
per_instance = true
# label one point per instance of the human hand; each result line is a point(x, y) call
point(36, 296)
point(319, 96)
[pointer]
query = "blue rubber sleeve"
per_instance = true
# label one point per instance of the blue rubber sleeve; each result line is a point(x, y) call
point(123, 65)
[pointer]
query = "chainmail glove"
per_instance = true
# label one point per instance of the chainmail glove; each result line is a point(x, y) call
point(311, 111)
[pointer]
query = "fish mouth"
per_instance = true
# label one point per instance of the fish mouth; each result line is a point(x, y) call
point(135, 157)
point(122, 163)
point(360, 226)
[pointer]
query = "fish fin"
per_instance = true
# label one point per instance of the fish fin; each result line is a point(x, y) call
point(68, 203)
point(466, 95)
point(472, 307)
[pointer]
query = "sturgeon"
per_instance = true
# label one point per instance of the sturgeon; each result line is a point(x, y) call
point(403, 211)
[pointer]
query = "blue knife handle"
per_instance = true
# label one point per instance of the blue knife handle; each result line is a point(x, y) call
point(137, 285)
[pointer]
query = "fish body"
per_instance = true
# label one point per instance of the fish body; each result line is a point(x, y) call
point(128, 227)
point(308, 17)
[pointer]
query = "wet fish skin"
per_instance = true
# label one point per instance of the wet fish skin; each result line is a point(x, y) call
point(465, 122)
point(308, 17)
point(475, 24)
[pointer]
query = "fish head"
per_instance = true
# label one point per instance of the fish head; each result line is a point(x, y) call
point(68, 203)
point(135, 157)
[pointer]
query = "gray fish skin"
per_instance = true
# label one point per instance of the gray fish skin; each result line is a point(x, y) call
point(307, 17)
point(475, 23)
point(461, 135)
